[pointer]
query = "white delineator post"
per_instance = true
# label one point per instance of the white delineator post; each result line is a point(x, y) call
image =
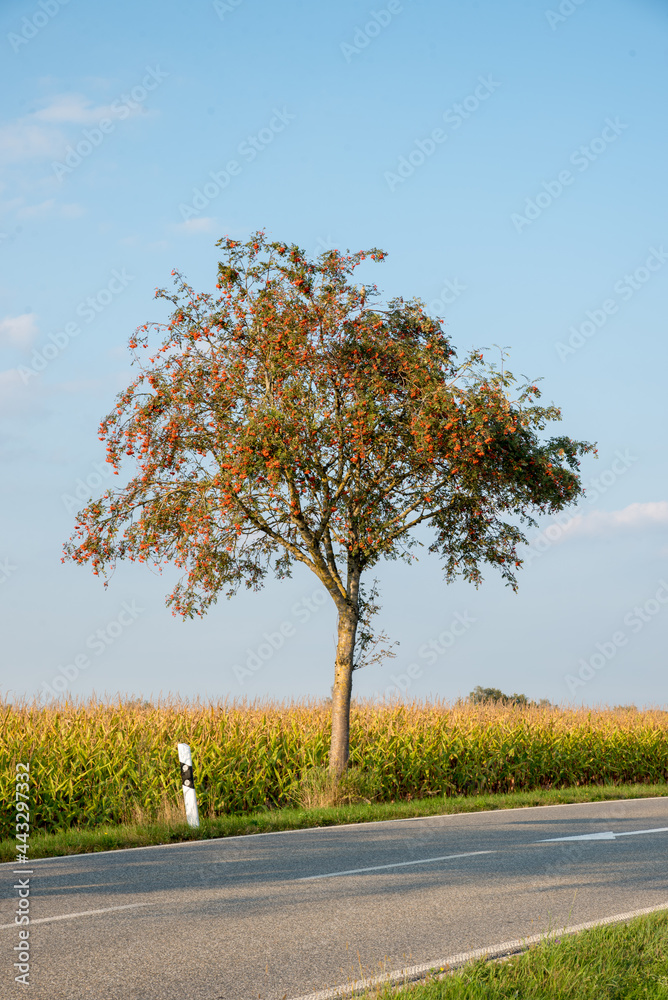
point(189, 794)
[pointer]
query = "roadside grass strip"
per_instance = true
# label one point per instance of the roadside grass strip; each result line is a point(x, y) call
point(622, 957)
point(108, 837)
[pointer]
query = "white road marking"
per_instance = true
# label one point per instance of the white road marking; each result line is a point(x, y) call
point(608, 835)
point(396, 864)
point(634, 833)
point(72, 916)
point(584, 836)
point(416, 972)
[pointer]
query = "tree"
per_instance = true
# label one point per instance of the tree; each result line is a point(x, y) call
point(289, 419)
point(480, 695)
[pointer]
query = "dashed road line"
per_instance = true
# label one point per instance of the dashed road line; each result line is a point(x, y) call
point(395, 864)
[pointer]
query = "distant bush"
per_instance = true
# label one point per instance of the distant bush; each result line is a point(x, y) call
point(480, 695)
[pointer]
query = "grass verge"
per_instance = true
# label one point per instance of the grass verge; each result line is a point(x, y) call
point(618, 962)
point(105, 838)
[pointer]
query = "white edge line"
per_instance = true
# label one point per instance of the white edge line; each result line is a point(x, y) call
point(71, 916)
point(464, 957)
point(340, 826)
point(394, 864)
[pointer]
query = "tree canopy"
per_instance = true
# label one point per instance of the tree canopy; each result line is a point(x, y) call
point(289, 418)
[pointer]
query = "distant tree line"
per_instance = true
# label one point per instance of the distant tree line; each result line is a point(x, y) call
point(481, 694)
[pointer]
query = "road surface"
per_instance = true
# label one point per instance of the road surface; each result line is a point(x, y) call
point(284, 915)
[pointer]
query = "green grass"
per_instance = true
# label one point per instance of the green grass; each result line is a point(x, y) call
point(111, 837)
point(618, 962)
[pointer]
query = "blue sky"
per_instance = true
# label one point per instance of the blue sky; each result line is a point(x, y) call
point(511, 160)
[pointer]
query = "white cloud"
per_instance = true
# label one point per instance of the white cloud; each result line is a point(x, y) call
point(41, 210)
point(72, 210)
point(635, 517)
point(10, 206)
point(136, 241)
point(9, 380)
point(36, 211)
point(73, 109)
point(39, 135)
point(192, 226)
point(23, 140)
point(16, 399)
point(18, 331)
point(76, 387)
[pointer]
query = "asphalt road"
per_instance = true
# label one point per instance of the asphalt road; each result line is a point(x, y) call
point(283, 915)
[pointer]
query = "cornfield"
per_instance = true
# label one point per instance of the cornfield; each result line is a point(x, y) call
point(95, 762)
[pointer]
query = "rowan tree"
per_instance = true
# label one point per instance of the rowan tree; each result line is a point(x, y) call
point(289, 418)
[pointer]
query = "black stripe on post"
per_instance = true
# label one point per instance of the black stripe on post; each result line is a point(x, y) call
point(187, 779)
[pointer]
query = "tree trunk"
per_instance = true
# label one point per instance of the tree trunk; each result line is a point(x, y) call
point(343, 682)
point(343, 672)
